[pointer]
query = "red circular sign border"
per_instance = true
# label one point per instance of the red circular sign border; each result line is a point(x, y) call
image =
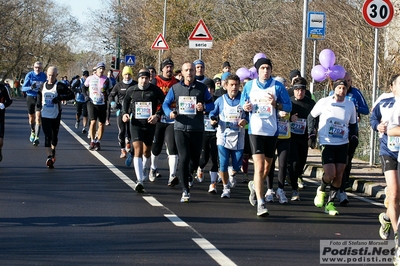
point(370, 22)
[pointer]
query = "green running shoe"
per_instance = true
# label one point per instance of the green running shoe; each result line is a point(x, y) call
point(384, 230)
point(330, 209)
point(319, 198)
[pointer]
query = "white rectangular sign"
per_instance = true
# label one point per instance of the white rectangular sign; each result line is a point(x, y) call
point(200, 44)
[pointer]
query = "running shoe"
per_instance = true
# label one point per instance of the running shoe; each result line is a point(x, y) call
point(226, 193)
point(295, 195)
point(262, 210)
point(97, 147)
point(32, 137)
point(330, 209)
point(281, 196)
point(185, 196)
point(77, 124)
point(245, 178)
point(200, 175)
point(269, 196)
point(396, 258)
point(173, 181)
point(252, 196)
point(107, 123)
point(343, 200)
point(319, 198)
point(384, 229)
point(212, 188)
point(123, 153)
point(139, 187)
point(153, 175)
point(129, 159)
point(128, 147)
point(92, 145)
point(36, 142)
point(300, 182)
point(84, 130)
point(50, 162)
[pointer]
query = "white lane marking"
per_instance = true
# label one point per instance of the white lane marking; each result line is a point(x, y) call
point(351, 194)
point(213, 252)
point(152, 201)
point(102, 159)
point(203, 243)
point(176, 220)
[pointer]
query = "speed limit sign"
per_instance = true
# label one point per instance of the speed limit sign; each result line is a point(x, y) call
point(378, 13)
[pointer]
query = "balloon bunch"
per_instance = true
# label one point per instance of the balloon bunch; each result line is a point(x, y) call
point(327, 69)
point(250, 73)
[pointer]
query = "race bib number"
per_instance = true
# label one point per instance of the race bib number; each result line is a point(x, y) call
point(263, 108)
point(283, 128)
point(207, 124)
point(48, 100)
point(298, 127)
point(336, 129)
point(187, 105)
point(98, 98)
point(143, 110)
point(393, 143)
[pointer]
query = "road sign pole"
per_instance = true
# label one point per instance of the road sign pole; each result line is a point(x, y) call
point(372, 139)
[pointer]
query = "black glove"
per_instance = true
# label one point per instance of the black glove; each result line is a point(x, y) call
point(353, 143)
point(312, 141)
point(38, 106)
point(55, 100)
point(213, 118)
point(87, 98)
point(33, 86)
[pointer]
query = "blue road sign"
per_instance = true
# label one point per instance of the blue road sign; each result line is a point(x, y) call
point(130, 60)
point(316, 25)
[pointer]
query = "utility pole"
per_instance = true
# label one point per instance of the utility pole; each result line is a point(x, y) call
point(117, 64)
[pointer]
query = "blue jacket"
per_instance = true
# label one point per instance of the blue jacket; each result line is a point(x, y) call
point(30, 78)
point(186, 122)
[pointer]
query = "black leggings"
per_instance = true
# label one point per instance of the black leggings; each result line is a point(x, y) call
point(50, 128)
point(283, 149)
point(189, 150)
point(209, 148)
point(124, 130)
point(297, 159)
point(164, 131)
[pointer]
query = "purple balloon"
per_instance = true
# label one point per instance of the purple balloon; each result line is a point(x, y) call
point(337, 72)
point(243, 73)
point(258, 56)
point(318, 73)
point(253, 73)
point(327, 58)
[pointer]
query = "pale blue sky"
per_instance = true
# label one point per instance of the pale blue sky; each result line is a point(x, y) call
point(80, 8)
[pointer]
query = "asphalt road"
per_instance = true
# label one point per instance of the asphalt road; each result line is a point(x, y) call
point(85, 212)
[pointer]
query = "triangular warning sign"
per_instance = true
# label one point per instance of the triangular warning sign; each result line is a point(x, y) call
point(200, 32)
point(160, 43)
point(116, 73)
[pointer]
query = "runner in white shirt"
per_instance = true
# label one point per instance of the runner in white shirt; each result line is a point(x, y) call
point(337, 121)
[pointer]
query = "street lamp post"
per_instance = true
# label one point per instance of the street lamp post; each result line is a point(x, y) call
point(160, 52)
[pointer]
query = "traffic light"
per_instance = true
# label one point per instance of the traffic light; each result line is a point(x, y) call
point(113, 62)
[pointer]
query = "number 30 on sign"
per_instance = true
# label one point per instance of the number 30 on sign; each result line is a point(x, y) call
point(378, 13)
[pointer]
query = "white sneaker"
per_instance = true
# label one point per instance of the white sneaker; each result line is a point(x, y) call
point(212, 188)
point(280, 195)
point(295, 195)
point(185, 196)
point(200, 175)
point(343, 198)
point(152, 175)
point(300, 183)
point(226, 193)
point(269, 196)
point(252, 196)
